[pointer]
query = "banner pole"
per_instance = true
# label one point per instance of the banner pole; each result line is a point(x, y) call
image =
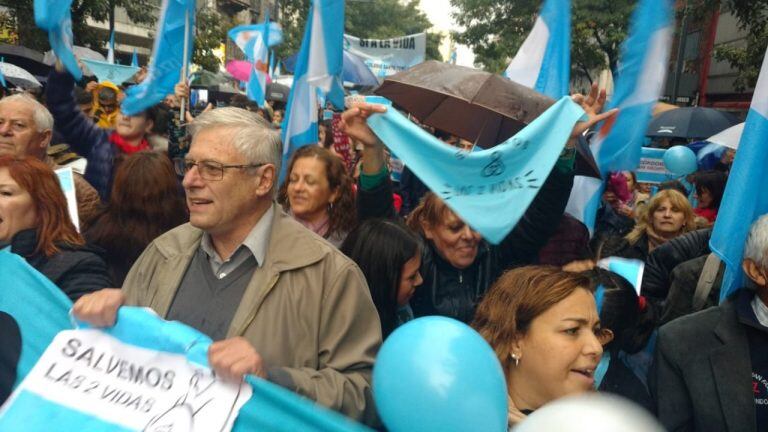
point(185, 56)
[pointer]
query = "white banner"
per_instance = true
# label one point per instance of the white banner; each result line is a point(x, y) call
point(388, 56)
point(93, 373)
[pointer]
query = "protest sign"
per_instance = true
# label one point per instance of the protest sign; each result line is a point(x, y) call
point(67, 181)
point(91, 372)
point(388, 56)
point(651, 168)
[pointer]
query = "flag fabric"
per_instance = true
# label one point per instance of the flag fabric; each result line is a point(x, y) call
point(745, 198)
point(112, 72)
point(2, 76)
point(167, 57)
point(41, 311)
point(135, 59)
point(111, 48)
point(543, 62)
point(482, 186)
point(641, 74)
point(272, 65)
point(255, 41)
point(39, 308)
point(319, 65)
point(54, 16)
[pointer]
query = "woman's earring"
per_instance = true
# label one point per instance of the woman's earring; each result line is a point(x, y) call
point(516, 358)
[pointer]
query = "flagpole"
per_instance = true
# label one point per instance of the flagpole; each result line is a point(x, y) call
point(183, 78)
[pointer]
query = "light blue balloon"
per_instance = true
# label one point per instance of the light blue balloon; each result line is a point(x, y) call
point(680, 160)
point(438, 374)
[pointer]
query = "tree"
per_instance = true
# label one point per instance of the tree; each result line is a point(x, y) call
point(210, 33)
point(140, 11)
point(379, 19)
point(495, 29)
point(752, 16)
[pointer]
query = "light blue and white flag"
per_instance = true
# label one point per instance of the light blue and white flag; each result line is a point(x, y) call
point(135, 59)
point(745, 198)
point(112, 72)
point(543, 62)
point(319, 65)
point(642, 71)
point(41, 311)
point(630, 269)
point(54, 16)
point(168, 58)
point(489, 189)
point(111, 48)
point(255, 41)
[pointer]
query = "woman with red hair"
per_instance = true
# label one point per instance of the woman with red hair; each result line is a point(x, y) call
point(35, 223)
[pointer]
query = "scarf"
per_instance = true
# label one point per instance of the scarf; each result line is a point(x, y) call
point(125, 147)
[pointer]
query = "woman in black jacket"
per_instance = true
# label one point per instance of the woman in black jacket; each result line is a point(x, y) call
point(457, 265)
point(35, 223)
point(667, 215)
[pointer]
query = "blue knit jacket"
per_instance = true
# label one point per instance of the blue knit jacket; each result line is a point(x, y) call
point(82, 135)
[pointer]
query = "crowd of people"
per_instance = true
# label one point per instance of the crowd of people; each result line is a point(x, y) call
point(300, 282)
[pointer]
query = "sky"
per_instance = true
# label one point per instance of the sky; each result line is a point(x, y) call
point(439, 13)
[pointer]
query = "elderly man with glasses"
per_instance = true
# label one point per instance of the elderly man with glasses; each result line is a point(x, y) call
point(280, 302)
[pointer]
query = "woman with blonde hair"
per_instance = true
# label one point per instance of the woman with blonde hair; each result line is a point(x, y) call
point(544, 327)
point(667, 215)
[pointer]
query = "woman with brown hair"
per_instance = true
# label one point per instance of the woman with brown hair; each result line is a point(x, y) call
point(145, 202)
point(318, 193)
point(543, 324)
point(667, 215)
point(35, 223)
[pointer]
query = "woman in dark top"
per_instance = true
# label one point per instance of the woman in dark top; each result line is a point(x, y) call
point(35, 223)
point(626, 328)
point(667, 215)
point(145, 202)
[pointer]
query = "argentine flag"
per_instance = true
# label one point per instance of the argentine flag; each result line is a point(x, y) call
point(543, 62)
point(177, 20)
point(255, 41)
point(641, 76)
point(745, 198)
point(318, 66)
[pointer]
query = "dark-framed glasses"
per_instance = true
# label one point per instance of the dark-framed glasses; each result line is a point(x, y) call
point(208, 169)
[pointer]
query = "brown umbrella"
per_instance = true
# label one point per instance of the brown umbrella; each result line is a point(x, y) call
point(472, 104)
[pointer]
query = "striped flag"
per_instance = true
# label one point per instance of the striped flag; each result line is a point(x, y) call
point(318, 66)
point(641, 76)
point(543, 62)
point(745, 198)
point(255, 40)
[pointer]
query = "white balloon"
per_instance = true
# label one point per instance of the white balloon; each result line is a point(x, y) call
point(592, 412)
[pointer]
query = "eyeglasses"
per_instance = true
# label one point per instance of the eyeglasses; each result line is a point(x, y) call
point(208, 169)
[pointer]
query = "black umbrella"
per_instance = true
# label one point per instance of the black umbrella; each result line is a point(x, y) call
point(277, 92)
point(478, 106)
point(690, 122)
point(25, 58)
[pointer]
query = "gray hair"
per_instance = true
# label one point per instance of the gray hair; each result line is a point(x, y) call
point(40, 114)
point(756, 247)
point(252, 136)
